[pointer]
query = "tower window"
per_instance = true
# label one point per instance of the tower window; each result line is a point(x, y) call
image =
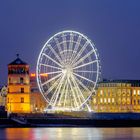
point(22, 100)
point(21, 80)
point(22, 90)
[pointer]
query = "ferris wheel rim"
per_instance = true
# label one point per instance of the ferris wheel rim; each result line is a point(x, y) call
point(91, 44)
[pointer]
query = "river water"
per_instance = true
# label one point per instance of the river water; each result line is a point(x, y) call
point(70, 133)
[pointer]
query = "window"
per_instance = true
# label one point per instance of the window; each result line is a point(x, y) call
point(138, 92)
point(94, 100)
point(112, 100)
point(101, 92)
point(22, 90)
point(21, 80)
point(134, 92)
point(101, 100)
point(22, 100)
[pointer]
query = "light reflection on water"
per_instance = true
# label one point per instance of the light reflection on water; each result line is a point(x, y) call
point(70, 133)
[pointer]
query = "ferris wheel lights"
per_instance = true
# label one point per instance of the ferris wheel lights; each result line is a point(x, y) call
point(72, 63)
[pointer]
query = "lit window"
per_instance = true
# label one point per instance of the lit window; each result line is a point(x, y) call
point(105, 100)
point(94, 100)
point(101, 100)
point(101, 92)
point(109, 100)
point(138, 92)
point(128, 101)
point(112, 100)
point(134, 92)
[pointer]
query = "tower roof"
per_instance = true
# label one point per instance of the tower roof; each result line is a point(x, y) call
point(18, 61)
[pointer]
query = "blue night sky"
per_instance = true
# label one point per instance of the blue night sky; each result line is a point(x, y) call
point(113, 25)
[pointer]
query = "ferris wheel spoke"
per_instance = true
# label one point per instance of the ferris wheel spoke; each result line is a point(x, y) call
point(84, 100)
point(54, 52)
point(83, 85)
point(55, 95)
point(84, 78)
point(86, 71)
point(66, 94)
point(86, 64)
point(54, 72)
point(62, 94)
point(55, 77)
point(70, 45)
point(78, 55)
point(74, 96)
point(52, 59)
point(77, 90)
point(50, 66)
point(76, 47)
point(58, 91)
point(53, 85)
point(65, 46)
point(59, 48)
point(83, 58)
point(77, 96)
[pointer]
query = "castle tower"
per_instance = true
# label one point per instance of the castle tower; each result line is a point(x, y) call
point(18, 96)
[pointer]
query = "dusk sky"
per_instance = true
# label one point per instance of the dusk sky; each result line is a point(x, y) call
point(113, 25)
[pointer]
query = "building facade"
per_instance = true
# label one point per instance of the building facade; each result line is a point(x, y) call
point(38, 103)
point(23, 95)
point(18, 96)
point(117, 96)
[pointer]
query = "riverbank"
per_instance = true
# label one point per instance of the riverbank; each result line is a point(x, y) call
point(59, 120)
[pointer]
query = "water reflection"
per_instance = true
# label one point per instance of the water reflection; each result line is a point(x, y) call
point(70, 133)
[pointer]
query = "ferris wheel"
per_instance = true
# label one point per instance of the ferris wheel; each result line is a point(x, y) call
point(68, 70)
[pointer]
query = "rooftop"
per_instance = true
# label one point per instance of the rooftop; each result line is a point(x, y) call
point(18, 61)
point(121, 81)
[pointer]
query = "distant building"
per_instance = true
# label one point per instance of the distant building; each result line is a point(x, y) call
point(18, 96)
point(38, 103)
point(117, 96)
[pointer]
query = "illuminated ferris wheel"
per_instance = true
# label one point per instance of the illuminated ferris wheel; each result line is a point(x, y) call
point(70, 63)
